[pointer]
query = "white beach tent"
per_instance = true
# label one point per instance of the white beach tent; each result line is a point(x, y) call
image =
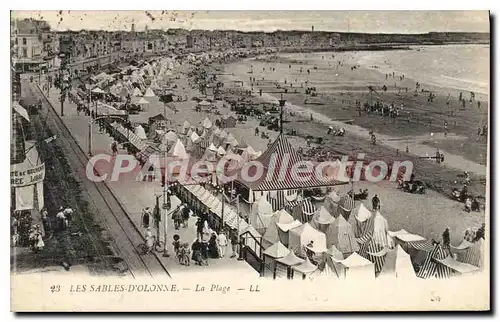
point(276, 233)
point(207, 123)
point(97, 90)
point(302, 236)
point(341, 235)
point(284, 264)
point(221, 152)
point(137, 92)
point(331, 202)
point(194, 137)
point(398, 264)
point(170, 136)
point(140, 132)
point(277, 250)
point(322, 219)
point(329, 266)
point(261, 215)
point(149, 93)
point(186, 126)
point(305, 268)
point(358, 268)
point(178, 150)
point(380, 230)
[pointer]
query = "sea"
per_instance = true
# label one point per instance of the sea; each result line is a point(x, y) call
point(463, 67)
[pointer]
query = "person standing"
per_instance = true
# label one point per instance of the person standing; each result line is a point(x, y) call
point(68, 214)
point(222, 242)
point(375, 203)
point(45, 221)
point(446, 238)
point(234, 244)
point(61, 219)
point(146, 218)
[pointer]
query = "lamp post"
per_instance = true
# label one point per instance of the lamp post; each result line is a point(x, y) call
point(282, 103)
point(90, 122)
point(166, 195)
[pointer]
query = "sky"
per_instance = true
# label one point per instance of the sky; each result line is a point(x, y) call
point(341, 21)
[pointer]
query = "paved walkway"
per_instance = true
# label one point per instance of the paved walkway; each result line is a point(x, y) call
point(136, 195)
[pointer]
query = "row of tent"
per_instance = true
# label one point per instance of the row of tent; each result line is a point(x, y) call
point(370, 239)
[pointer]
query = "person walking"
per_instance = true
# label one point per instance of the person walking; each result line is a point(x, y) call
point(222, 242)
point(146, 218)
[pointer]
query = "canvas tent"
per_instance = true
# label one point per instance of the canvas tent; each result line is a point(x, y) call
point(302, 236)
point(140, 132)
point(178, 150)
point(341, 235)
point(329, 266)
point(305, 268)
point(284, 264)
point(149, 93)
point(432, 267)
point(322, 219)
point(137, 92)
point(331, 203)
point(207, 123)
point(357, 268)
point(261, 214)
point(273, 232)
point(398, 264)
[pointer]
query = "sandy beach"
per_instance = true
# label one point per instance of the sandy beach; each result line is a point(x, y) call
point(421, 214)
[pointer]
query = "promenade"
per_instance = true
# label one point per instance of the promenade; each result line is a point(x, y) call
point(136, 195)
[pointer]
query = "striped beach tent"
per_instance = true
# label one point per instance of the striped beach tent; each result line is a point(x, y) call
point(432, 267)
point(474, 254)
point(345, 206)
point(276, 199)
point(301, 209)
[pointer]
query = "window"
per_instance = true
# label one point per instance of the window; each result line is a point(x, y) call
point(25, 53)
point(24, 41)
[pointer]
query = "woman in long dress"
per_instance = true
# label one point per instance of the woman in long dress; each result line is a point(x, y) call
point(149, 239)
point(213, 247)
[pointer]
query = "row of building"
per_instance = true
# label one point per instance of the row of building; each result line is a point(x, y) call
point(34, 43)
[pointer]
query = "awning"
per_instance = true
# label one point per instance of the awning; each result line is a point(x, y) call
point(457, 266)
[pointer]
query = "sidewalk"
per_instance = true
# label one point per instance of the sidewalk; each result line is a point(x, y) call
point(136, 195)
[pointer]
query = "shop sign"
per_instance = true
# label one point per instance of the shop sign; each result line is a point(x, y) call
point(27, 177)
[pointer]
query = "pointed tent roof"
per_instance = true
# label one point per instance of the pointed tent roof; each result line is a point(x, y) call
point(277, 150)
point(277, 250)
point(204, 103)
point(363, 213)
point(290, 260)
point(186, 125)
point(221, 151)
point(322, 216)
point(143, 101)
point(303, 235)
point(207, 123)
point(212, 147)
point(341, 235)
point(231, 140)
point(288, 226)
point(194, 137)
point(305, 267)
point(335, 253)
point(380, 229)
point(149, 93)
point(139, 131)
point(137, 92)
point(171, 136)
point(355, 260)
point(398, 264)
point(282, 216)
point(178, 150)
